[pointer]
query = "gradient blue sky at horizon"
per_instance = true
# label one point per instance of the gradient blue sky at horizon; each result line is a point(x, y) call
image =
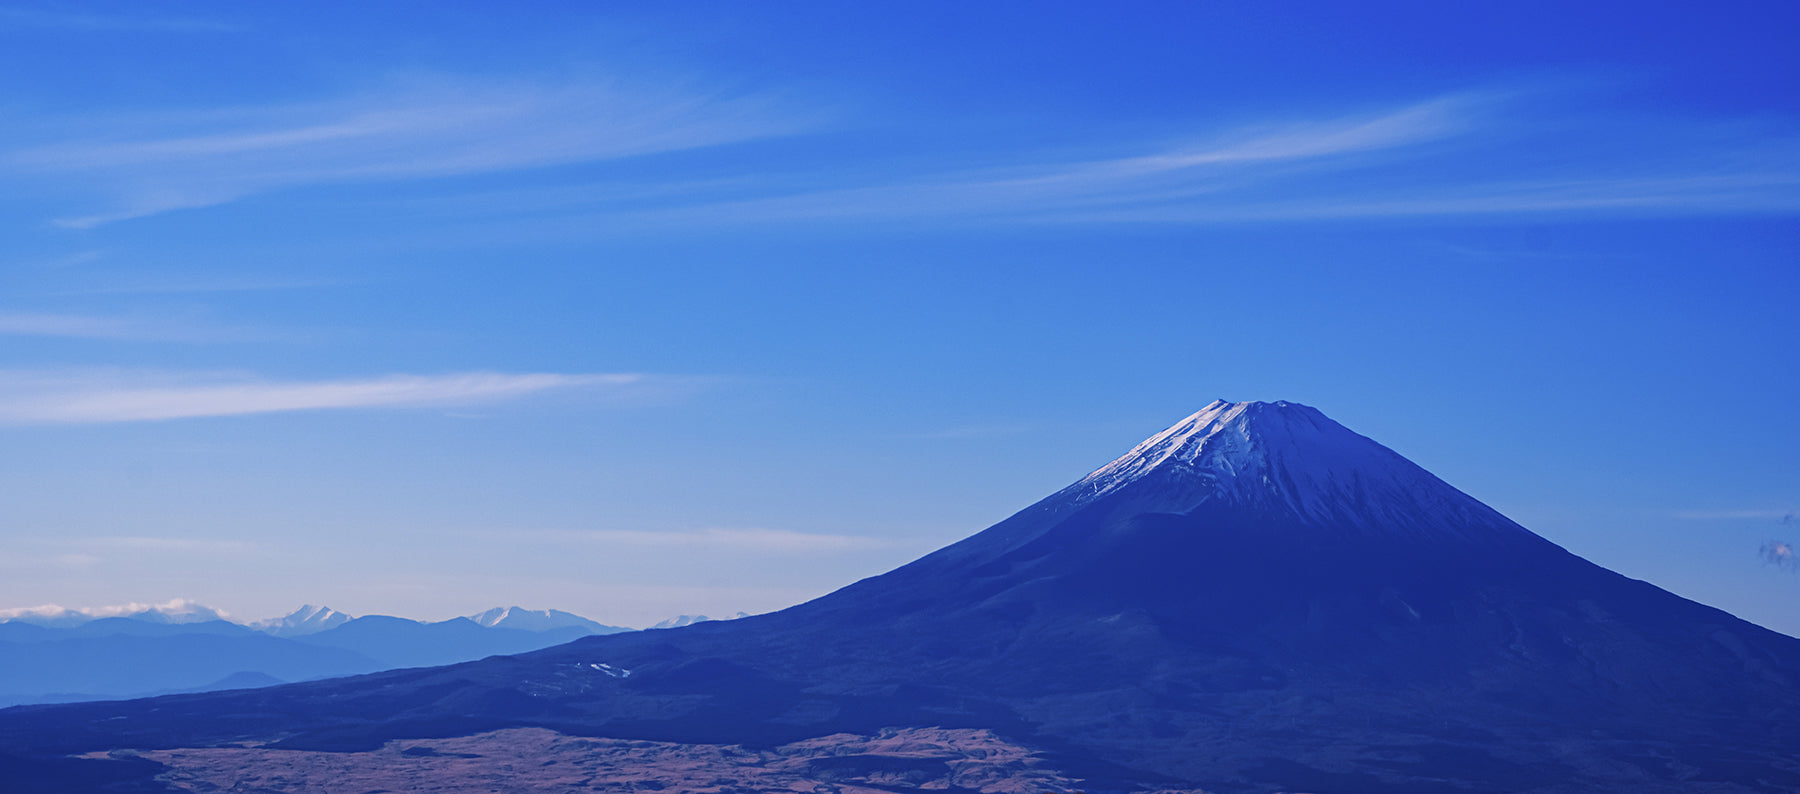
point(638, 310)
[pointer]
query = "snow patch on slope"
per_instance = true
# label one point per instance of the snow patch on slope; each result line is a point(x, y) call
point(615, 672)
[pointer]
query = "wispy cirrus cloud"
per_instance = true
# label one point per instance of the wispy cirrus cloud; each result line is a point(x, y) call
point(146, 165)
point(1467, 154)
point(96, 397)
point(166, 284)
point(63, 20)
point(1679, 194)
point(38, 553)
point(721, 538)
point(145, 543)
point(114, 328)
point(960, 432)
point(1470, 153)
point(1217, 164)
point(66, 325)
point(1721, 515)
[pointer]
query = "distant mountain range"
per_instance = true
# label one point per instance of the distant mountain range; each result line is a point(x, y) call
point(1256, 599)
point(61, 656)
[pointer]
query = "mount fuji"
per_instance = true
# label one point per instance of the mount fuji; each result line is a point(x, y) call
point(1256, 599)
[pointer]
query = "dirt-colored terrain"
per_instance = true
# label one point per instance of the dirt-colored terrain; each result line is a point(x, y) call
point(537, 760)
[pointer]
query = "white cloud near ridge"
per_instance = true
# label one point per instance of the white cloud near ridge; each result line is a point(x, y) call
point(175, 608)
point(106, 397)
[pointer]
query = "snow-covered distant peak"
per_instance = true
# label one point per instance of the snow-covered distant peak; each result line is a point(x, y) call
point(518, 617)
point(538, 620)
point(689, 620)
point(176, 611)
point(1290, 458)
point(308, 619)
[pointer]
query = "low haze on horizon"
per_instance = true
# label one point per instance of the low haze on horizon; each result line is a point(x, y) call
point(636, 311)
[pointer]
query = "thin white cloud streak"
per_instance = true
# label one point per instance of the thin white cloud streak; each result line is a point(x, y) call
point(968, 432)
point(34, 556)
point(723, 538)
point(1702, 194)
point(124, 329)
point(30, 398)
point(139, 543)
point(29, 17)
point(115, 284)
point(66, 261)
point(1083, 200)
point(1415, 124)
point(1721, 515)
point(423, 130)
point(1181, 173)
point(65, 325)
point(1444, 157)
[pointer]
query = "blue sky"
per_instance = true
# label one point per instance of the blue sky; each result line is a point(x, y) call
point(422, 308)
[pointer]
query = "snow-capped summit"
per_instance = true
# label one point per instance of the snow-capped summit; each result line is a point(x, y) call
point(538, 620)
point(308, 619)
point(1287, 458)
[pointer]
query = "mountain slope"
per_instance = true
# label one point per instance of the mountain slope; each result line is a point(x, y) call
point(1256, 599)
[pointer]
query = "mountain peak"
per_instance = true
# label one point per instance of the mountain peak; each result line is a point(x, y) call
point(1288, 459)
point(308, 619)
point(538, 620)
